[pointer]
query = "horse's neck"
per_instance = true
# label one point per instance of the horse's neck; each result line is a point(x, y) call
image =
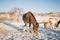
point(58, 22)
point(33, 20)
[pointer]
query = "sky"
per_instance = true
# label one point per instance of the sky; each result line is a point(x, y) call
point(31, 5)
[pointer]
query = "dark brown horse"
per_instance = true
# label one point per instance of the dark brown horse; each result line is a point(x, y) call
point(29, 18)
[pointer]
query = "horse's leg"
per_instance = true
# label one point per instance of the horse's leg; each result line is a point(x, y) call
point(55, 25)
point(29, 24)
point(26, 21)
point(44, 25)
point(52, 26)
point(27, 29)
point(25, 26)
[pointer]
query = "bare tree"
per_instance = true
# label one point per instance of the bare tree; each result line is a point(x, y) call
point(17, 10)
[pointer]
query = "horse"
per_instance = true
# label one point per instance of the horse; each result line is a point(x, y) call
point(29, 19)
point(51, 22)
point(58, 23)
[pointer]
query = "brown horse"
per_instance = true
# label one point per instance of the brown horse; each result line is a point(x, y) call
point(52, 22)
point(29, 19)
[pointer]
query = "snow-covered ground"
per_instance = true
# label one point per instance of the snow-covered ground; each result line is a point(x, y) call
point(14, 31)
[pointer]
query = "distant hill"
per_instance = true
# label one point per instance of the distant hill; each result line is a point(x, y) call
point(53, 14)
point(12, 16)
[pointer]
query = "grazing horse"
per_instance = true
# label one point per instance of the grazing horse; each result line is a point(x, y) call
point(51, 22)
point(58, 23)
point(29, 19)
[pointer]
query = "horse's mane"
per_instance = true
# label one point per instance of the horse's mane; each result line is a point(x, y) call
point(58, 23)
point(32, 15)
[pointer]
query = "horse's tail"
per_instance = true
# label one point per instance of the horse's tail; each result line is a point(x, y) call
point(24, 17)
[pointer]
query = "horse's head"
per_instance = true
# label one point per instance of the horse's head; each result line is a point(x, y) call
point(35, 28)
